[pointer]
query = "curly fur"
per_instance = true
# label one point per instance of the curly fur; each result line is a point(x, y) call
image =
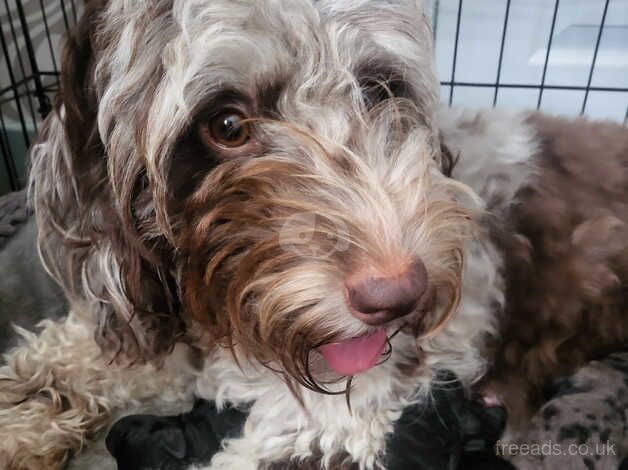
point(158, 239)
point(567, 269)
point(110, 194)
point(57, 390)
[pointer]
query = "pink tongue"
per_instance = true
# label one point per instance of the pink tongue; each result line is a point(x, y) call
point(354, 355)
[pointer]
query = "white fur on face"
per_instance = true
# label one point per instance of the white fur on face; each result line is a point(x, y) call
point(156, 65)
point(200, 48)
point(495, 164)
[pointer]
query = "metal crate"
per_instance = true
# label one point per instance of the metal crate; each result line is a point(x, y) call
point(31, 32)
point(598, 24)
point(29, 76)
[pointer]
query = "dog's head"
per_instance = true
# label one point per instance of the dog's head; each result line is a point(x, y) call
point(267, 172)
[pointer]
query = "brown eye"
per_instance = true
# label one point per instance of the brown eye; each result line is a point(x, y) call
point(228, 129)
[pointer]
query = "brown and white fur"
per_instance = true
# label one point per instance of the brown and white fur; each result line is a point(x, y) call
point(159, 237)
point(565, 245)
point(564, 241)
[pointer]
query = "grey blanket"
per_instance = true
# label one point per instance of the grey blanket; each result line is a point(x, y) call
point(27, 293)
point(13, 214)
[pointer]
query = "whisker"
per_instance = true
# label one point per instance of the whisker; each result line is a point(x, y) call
point(347, 393)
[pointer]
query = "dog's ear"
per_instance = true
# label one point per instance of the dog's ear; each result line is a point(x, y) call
point(78, 95)
point(89, 195)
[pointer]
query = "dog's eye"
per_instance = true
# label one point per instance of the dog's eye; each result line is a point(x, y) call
point(228, 129)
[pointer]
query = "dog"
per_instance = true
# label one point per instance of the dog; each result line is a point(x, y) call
point(271, 190)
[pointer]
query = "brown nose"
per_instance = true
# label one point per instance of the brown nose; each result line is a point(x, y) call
point(379, 299)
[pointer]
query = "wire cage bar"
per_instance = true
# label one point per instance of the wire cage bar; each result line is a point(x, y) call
point(30, 33)
point(455, 81)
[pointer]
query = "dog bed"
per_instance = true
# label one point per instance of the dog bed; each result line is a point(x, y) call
point(27, 293)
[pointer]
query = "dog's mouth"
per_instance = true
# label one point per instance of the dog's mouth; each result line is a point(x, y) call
point(354, 355)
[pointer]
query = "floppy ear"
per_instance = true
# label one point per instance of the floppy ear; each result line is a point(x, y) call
point(90, 234)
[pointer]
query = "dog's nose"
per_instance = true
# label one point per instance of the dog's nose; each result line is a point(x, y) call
point(377, 299)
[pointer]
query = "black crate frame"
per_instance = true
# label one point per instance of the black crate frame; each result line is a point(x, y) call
point(37, 95)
